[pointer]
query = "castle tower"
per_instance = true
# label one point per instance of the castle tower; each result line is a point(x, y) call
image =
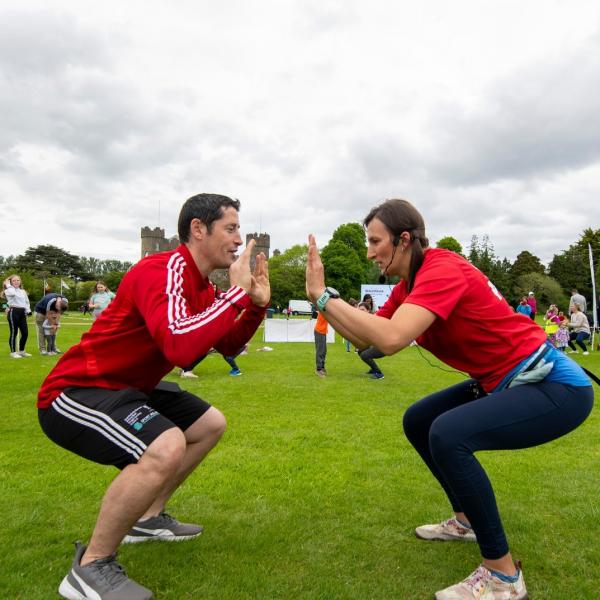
point(154, 240)
point(263, 244)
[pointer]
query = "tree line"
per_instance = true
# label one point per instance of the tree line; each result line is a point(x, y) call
point(48, 265)
point(346, 268)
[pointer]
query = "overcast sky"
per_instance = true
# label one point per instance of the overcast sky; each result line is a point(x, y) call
point(485, 114)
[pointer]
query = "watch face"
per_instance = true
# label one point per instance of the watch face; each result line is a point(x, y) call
point(333, 293)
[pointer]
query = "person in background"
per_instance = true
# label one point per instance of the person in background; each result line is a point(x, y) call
point(562, 338)
point(551, 323)
point(18, 309)
point(368, 302)
point(368, 355)
point(524, 307)
point(100, 299)
point(53, 305)
point(577, 298)
point(321, 328)
point(521, 393)
point(188, 372)
point(347, 343)
point(581, 330)
point(533, 304)
point(51, 325)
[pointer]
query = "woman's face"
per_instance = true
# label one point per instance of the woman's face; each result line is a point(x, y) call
point(15, 281)
point(381, 250)
point(100, 287)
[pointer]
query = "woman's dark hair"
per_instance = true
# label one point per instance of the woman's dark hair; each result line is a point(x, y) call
point(206, 207)
point(399, 216)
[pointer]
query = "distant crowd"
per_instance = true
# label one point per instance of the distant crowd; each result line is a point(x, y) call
point(47, 315)
point(563, 331)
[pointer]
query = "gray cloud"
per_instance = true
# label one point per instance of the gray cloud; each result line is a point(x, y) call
point(539, 121)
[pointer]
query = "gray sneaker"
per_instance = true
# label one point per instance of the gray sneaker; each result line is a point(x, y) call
point(163, 527)
point(103, 579)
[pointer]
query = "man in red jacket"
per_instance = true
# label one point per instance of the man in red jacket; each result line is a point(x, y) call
point(105, 400)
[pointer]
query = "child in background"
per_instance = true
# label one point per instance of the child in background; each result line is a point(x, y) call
point(552, 321)
point(50, 325)
point(561, 338)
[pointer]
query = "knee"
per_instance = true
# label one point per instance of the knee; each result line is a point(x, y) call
point(444, 440)
point(165, 454)
point(414, 421)
point(211, 426)
point(216, 423)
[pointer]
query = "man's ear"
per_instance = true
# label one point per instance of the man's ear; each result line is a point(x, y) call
point(198, 229)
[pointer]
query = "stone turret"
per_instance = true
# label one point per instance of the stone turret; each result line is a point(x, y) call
point(263, 244)
point(154, 240)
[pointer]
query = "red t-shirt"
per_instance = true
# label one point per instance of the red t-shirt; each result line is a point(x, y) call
point(475, 331)
point(164, 314)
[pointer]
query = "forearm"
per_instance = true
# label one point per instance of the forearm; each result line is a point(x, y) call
point(389, 335)
point(343, 329)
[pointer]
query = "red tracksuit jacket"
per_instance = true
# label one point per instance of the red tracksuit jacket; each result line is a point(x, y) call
point(164, 314)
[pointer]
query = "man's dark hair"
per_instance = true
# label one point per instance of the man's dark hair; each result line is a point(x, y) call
point(206, 207)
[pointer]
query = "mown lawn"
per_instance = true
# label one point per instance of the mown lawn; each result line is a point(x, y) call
point(313, 492)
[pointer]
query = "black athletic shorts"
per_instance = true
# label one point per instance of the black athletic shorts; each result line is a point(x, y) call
point(114, 427)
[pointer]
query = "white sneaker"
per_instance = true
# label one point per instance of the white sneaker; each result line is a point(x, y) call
point(24, 354)
point(483, 585)
point(15, 355)
point(446, 531)
point(43, 352)
point(188, 375)
point(586, 353)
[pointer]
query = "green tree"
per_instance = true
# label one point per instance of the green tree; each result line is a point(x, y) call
point(527, 263)
point(113, 279)
point(47, 260)
point(345, 260)
point(547, 291)
point(571, 268)
point(450, 243)
point(6, 263)
point(481, 254)
point(287, 274)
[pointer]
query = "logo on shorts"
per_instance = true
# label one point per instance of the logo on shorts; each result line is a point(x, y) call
point(140, 416)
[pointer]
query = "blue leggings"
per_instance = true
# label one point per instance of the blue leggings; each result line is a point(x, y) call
point(448, 427)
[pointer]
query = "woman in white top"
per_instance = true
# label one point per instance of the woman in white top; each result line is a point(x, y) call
point(580, 329)
point(17, 313)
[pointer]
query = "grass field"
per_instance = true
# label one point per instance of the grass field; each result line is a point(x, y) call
point(313, 492)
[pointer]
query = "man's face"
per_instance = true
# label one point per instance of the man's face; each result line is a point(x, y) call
point(220, 245)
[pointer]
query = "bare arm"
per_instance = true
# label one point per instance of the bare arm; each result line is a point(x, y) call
point(361, 328)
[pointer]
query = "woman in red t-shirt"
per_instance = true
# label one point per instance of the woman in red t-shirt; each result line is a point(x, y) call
point(453, 310)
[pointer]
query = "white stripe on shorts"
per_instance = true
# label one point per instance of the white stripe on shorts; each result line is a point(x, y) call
point(102, 423)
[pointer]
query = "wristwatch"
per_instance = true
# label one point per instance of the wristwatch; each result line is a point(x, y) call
point(325, 296)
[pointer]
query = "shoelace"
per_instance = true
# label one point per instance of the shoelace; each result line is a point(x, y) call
point(168, 518)
point(454, 524)
point(476, 579)
point(110, 570)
